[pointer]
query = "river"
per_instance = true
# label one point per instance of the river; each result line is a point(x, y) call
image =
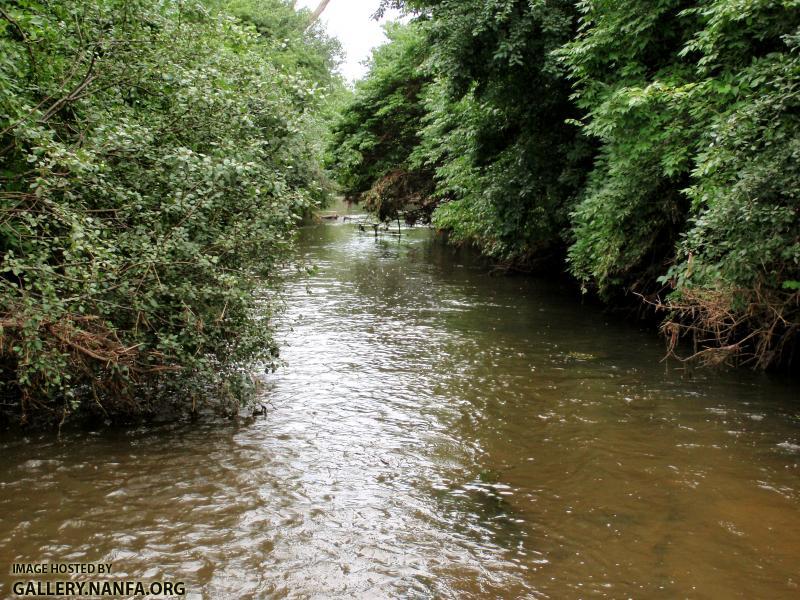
point(436, 432)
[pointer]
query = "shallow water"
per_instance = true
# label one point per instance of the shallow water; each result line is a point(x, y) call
point(436, 432)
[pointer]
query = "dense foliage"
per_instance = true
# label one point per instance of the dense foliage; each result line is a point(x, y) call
point(697, 181)
point(373, 139)
point(155, 158)
point(507, 159)
point(506, 168)
point(652, 147)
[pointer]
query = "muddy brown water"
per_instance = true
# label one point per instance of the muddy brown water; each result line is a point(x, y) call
point(436, 433)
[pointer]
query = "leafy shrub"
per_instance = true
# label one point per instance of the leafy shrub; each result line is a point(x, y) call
point(155, 159)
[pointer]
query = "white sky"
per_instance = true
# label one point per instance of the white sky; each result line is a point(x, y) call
point(351, 22)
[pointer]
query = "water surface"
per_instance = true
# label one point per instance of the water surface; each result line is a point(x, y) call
point(437, 432)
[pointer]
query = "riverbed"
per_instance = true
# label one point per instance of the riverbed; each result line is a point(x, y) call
point(436, 432)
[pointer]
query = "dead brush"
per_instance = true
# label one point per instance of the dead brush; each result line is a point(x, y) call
point(747, 327)
point(89, 348)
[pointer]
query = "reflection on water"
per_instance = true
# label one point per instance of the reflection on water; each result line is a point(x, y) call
point(437, 432)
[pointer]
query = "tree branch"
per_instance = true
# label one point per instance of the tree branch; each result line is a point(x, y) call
point(318, 12)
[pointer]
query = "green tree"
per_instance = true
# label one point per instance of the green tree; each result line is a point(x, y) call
point(509, 163)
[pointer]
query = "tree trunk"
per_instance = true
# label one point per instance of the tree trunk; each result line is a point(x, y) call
point(315, 16)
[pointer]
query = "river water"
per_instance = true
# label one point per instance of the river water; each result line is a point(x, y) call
point(436, 432)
